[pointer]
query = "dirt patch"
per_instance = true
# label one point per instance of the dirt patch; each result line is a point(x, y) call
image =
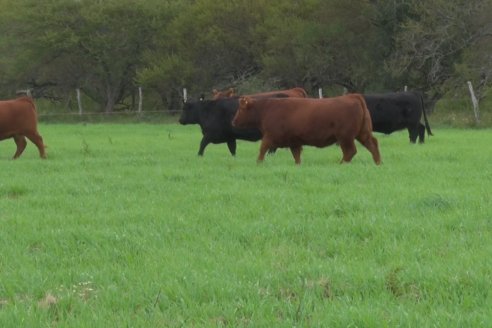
point(48, 301)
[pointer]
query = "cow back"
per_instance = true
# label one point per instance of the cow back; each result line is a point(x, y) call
point(294, 92)
point(17, 116)
point(394, 111)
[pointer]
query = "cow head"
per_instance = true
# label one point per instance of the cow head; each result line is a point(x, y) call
point(191, 113)
point(216, 94)
point(244, 116)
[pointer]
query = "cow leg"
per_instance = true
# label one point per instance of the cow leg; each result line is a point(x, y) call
point(296, 152)
point(38, 141)
point(421, 133)
point(264, 147)
point(348, 150)
point(231, 144)
point(413, 133)
point(21, 143)
point(205, 141)
point(371, 144)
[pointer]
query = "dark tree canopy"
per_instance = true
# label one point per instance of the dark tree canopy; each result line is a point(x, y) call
point(109, 48)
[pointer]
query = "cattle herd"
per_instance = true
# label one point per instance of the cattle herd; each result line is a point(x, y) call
point(280, 119)
point(289, 119)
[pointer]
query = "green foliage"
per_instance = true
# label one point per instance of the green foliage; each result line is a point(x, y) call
point(93, 45)
point(218, 37)
point(433, 42)
point(109, 48)
point(320, 43)
point(123, 225)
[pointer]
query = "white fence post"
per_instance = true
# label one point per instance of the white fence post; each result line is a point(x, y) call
point(27, 92)
point(79, 101)
point(345, 91)
point(476, 110)
point(140, 99)
point(185, 95)
point(320, 93)
point(405, 88)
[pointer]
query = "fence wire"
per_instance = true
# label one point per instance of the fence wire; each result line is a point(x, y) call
point(155, 116)
point(75, 114)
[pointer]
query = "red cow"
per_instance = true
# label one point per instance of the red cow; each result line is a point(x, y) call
point(18, 120)
point(294, 122)
point(295, 92)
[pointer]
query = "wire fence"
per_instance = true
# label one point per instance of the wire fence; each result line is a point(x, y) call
point(156, 116)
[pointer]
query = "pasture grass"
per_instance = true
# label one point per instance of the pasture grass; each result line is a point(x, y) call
point(123, 225)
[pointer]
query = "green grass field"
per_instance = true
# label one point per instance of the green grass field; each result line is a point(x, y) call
point(124, 226)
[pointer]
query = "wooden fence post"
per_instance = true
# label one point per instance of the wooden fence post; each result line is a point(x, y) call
point(27, 92)
point(79, 101)
point(140, 99)
point(476, 110)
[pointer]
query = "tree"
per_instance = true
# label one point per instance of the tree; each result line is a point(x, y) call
point(112, 39)
point(108, 48)
point(476, 64)
point(166, 71)
point(315, 43)
point(209, 44)
point(476, 67)
point(94, 45)
point(20, 36)
point(433, 42)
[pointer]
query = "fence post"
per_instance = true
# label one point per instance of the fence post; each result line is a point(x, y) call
point(405, 88)
point(79, 101)
point(320, 93)
point(476, 110)
point(345, 90)
point(140, 99)
point(185, 95)
point(27, 92)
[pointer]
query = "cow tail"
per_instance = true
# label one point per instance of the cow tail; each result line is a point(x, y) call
point(367, 116)
point(28, 100)
point(34, 108)
point(427, 126)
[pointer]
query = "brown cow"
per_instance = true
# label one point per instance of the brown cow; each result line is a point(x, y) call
point(294, 122)
point(18, 120)
point(294, 92)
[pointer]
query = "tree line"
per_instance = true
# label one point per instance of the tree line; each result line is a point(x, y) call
point(109, 48)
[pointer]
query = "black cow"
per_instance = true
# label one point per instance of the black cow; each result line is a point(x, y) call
point(391, 112)
point(214, 118)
